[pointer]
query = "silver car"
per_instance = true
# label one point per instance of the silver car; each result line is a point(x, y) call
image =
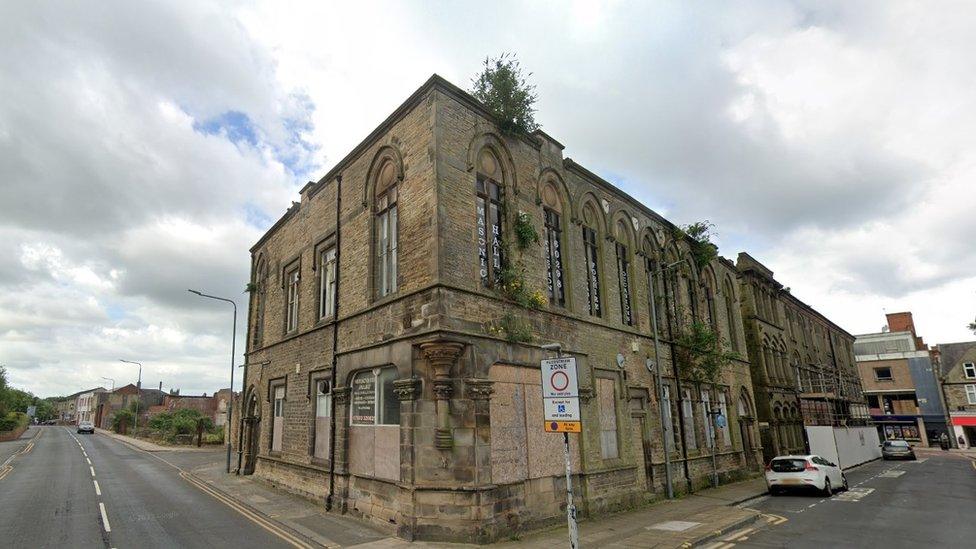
point(86, 427)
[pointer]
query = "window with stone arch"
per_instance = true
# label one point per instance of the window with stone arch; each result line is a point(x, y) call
point(728, 296)
point(552, 211)
point(709, 285)
point(259, 284)
point(655, 284)
point(591, 254)
point(623, 247)
point(386, 229)
point(490, 206)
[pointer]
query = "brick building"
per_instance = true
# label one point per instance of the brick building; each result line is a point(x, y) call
point(957, 368)
point(803, 369)
point(900, 382)
point(428, 415)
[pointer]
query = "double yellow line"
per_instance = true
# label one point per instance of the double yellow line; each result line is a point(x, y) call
point(251, 515)
point(6, 468)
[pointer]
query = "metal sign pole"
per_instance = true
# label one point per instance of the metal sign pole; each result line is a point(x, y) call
point(570, 508)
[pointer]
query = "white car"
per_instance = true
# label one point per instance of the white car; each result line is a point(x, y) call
point(809, 471)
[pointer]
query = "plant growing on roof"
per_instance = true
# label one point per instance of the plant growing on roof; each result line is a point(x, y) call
point(502, 87)
point(699, 237)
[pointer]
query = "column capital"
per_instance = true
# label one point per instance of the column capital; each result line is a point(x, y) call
point(406, 389)
point(479, 389)
point(442, 355)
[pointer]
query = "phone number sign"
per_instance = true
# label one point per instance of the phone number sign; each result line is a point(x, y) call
point(560, 395)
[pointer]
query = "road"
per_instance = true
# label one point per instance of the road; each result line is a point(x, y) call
point(69, 490)
point(925, 503)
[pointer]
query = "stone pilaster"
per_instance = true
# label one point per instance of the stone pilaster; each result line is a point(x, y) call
point(441, 356)
point(407, 391)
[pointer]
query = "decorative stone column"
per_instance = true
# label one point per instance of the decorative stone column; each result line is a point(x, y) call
point(441, 355)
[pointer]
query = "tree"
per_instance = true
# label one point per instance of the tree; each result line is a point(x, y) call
point(972, 327)
point(505, 92)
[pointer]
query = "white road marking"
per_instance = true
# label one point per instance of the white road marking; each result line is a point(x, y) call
point(88, 460)
point(98, 491)
point(104, 517)
point(92, 471)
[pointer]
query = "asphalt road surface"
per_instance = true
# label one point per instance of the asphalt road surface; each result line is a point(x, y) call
point(62, 489)
point(927, 503)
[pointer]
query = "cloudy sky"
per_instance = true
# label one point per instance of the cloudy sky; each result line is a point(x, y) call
point(145, 146)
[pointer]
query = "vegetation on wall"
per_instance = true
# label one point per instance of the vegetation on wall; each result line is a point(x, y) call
point(700, 353)
point(972, 327)
point(503, 89)
point(699, 237)
point(525, 233)
point(512, 328)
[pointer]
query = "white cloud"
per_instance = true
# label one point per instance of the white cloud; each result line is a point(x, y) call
point(146, 146)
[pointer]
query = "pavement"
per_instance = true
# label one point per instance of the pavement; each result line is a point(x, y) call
point(910, 504)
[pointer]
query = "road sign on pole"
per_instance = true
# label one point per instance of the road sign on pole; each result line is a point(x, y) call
point(560, 404)
point(560, 395)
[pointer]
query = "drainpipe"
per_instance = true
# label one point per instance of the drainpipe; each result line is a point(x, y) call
point(665, 414)
point(335, 344)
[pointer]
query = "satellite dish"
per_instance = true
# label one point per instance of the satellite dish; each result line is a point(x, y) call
point(620, 360)
point(649, 364)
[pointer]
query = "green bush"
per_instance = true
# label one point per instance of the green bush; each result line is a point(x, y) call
point(122, 420)
point(167, 425)
point(13, 420)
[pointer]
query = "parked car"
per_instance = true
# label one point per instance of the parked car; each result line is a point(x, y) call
point(804, 472)
point(86, 427)
point(897, 449)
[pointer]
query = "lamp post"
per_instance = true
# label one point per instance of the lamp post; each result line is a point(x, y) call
point(665, 413)
point(233, 343)
point(112, 380)
point(138, 386)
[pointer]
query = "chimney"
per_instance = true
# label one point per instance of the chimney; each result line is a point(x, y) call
point(160, 386)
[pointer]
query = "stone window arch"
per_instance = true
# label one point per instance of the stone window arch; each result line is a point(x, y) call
point(591, 220)
point(554, 216)
point(259, 295)
point(490, 210)
point(654, 282)
point(623, 247)
point(731, 311)
point(381, 196)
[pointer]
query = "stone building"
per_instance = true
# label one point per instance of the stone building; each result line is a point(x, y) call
point(957, 369)
point(803, 368)
point(396, 323)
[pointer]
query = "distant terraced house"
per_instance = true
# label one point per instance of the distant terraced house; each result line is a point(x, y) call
point(394, 340)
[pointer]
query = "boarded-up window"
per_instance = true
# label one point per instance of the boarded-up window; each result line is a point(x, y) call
point(691, 441)
point(374, 418)
point(278, 422)
point(520, 447)
point(607, 401)
point(323, 411)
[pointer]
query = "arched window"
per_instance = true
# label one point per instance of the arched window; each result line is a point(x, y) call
point(259, 296)
point(623, 273)
point(490, 200)
point(729, 296)
point(655, 284)
point(552, 212)
point(385, 212)
point(591, 253)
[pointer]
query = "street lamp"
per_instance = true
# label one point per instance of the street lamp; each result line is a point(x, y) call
point(112, 380)
point(138, 386)
point(665, 413)
point(233, 342)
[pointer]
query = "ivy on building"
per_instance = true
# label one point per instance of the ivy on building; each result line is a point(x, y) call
point(503, 89)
